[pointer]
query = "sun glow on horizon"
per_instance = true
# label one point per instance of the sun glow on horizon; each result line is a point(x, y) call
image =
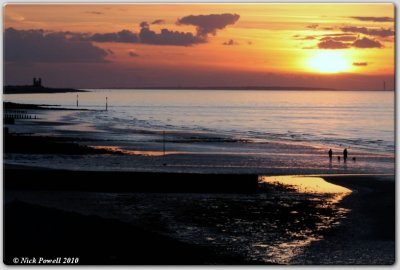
point(329, 62)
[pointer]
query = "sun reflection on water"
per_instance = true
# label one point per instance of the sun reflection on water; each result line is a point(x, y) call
point(328, 196)
point(308, 184)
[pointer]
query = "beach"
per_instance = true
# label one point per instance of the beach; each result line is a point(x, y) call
point(267, 224)
point(188, 198)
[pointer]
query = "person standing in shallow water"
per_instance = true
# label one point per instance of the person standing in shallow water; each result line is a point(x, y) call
point(330, 154)
point(345, 154)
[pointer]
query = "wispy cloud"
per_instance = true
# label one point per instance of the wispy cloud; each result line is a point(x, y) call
point(94, 12)
point(230, 42)
point(368, 31)
point(312, 26)
point(340, 38)
point(373, 19)
point(360, 64)
point(331, 44)
point(159, 21)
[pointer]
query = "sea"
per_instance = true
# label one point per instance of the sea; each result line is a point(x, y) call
point(294, 126)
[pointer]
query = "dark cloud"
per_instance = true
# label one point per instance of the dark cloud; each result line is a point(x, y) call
point(365, 43)
point(327, 28)
point(340, 38)
point(373, 19)
point(312, 26)
point(230, 42)
point(144, 25)
point(209, 24)
point(368, 31)
point(132, 54)
point(360, 64)
point(167, 37)
point(159, 21)
point(32, 46)
point(331, 44)
point(123, 36)
point(206, 24)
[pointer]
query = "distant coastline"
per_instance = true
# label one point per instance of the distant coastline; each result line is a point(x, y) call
point(31, 89)
point(239, 88)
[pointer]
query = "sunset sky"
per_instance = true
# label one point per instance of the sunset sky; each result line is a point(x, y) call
point(344, 46)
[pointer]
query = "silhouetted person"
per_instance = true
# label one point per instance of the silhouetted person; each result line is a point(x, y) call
point(345, 154)
point(338, 158)
point(354, 158)
point(330, 154)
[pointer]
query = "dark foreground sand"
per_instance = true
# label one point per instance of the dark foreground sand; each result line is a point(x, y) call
point(366, 236)
point(36, 231)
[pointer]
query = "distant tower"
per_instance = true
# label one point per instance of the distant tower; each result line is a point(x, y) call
point(37, 82)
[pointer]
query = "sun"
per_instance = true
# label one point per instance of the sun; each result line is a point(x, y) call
point(329, 62)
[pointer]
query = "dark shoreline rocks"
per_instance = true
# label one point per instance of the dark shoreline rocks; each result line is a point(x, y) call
point(30, 89)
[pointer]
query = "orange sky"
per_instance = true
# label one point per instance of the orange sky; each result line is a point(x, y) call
point(242, 44)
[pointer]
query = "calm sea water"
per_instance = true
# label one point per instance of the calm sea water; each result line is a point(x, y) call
point(357, 119)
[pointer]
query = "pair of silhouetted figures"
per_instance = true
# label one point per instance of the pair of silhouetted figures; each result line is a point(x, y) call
point(344, 155)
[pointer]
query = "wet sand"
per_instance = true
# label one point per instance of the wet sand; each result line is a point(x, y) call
point(260, 224)
point(54, 233)
point(59, 140)
point(367, 235)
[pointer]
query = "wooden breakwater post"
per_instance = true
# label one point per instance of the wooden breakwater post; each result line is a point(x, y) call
point(164, 143)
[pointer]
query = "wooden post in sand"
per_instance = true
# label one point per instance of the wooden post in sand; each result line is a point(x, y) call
point(77, 103)
point(164, 143)
point(106, 103)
